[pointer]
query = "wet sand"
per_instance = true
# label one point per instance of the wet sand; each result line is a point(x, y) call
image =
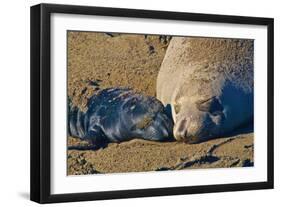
point(97, 61)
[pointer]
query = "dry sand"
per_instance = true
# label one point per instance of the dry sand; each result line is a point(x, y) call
point(97, 61)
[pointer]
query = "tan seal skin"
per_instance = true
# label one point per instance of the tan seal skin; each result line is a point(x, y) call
point(208, 84)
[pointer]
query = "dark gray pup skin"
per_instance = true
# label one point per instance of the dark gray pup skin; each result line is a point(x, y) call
point(119, 114)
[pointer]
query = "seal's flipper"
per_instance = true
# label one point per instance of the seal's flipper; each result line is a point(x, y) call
point(96, 137)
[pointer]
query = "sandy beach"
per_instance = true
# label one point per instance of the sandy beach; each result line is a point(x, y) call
point(101, 60)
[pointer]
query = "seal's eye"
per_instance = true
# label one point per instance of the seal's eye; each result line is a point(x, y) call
point(211, 105)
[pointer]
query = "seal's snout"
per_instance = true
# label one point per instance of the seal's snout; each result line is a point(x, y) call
point(193, 128)
point(163, 126)
point(180, 130)
point(185, 130)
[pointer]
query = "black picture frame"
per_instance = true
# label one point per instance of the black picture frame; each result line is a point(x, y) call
point(41, 97)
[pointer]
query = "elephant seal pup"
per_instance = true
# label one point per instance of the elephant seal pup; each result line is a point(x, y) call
point(120, 114)
point(208, 84)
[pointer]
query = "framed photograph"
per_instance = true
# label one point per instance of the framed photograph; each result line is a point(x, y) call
point(132, 103)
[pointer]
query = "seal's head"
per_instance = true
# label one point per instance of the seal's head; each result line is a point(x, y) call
point(121, 114)
point(199, 120)
point(145, 117)
point(211, 113)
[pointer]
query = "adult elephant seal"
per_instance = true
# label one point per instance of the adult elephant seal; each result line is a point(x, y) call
point(208, 83)
point(120, 114)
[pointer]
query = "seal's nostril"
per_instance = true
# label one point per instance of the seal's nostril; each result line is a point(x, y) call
point(185, 133)
point(182, 125)
point(180, 130)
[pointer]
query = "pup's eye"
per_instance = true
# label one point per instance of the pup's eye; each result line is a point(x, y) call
point(211, 105)
point(177, 108)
